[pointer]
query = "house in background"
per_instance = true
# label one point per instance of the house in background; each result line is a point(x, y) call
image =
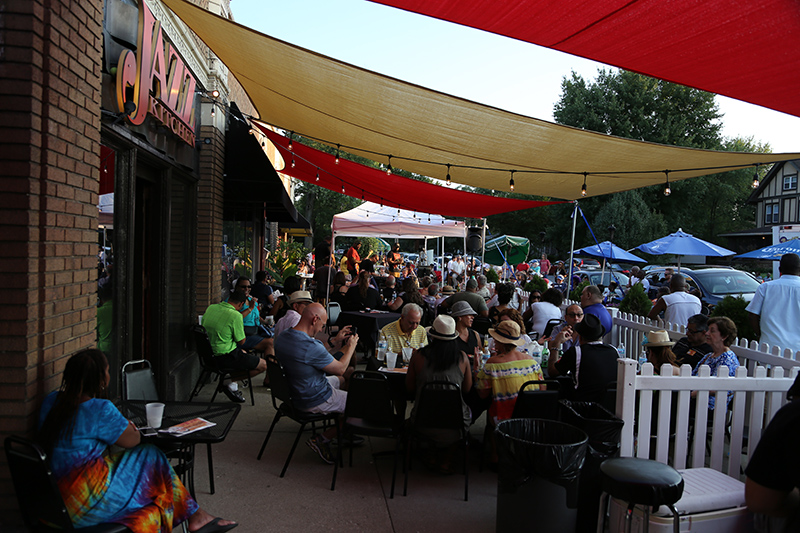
point(777, 201)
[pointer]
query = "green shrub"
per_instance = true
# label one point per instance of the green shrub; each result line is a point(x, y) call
point(577, 290)
point(536, 284)
point(734, 308)
point(491, 276)
point(636, 301)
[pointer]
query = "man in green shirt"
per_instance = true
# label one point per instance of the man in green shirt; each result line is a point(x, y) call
point(225, 327)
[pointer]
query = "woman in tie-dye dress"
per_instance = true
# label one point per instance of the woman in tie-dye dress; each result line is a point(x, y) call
point(135, 486)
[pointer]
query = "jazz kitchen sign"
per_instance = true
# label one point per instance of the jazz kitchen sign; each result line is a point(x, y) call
point(156, 80)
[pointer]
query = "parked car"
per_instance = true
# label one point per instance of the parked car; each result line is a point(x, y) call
point(598, 277)
point(714, 283)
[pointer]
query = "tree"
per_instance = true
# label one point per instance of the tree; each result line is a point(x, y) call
point(634, 106)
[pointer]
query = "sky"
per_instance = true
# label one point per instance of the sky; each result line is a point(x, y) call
point(486, 68)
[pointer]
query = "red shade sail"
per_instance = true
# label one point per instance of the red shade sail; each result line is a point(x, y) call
point(374, 185)
point(746, 50)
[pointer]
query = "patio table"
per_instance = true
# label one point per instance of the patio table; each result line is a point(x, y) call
point(222, 414)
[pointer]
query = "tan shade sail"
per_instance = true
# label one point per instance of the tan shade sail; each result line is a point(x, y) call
point(424, 130)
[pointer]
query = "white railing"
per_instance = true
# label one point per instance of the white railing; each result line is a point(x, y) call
point(755, 401)
point(631, 329)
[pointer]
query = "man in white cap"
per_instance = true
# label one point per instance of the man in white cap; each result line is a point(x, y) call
point(298, 301)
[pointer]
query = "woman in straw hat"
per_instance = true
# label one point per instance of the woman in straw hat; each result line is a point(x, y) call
point(440, 360)
point(503, 375)
point(658, 346)
point(506, 371)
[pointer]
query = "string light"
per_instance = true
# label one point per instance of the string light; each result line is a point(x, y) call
point(293, 164)
point(343, 188)
point(756, 181)
point(213, 110)
point(337, 155)
point(389, 168)
point(291, 134)
point(362, 195)
point(583, 187)
point(448, 174)
point(667, 190)
point(318, 177)
point(511, 182)
point(215, 93)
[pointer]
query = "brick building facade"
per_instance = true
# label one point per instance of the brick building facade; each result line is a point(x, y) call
point(57, 117)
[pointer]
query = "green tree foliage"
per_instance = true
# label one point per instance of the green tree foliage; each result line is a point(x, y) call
point(577, 290)
point(634, 106)
point(636, 301)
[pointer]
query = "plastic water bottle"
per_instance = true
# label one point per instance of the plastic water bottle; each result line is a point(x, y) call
point(383, 345)
point(545, 355)
point(621, 349)
point(642, 359)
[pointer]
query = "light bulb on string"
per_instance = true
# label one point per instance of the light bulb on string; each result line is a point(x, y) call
point(448, 174)
point(293, 163)
point(317, 173)
point(389, 168)
point(667, 189)
point(511, 182)
point(213, 111)
point(583, 187)
point(343, 188)
point(756, 181)
point(337, 155)
point(362, 195)
point(291, 134)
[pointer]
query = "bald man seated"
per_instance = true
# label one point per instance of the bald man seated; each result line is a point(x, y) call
point(316, 374)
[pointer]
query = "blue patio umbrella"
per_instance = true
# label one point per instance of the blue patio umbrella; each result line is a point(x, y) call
point(680, 243)
point(610, 251)
point(774, 252)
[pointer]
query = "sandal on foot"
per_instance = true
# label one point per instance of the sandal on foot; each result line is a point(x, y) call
point(214, 527)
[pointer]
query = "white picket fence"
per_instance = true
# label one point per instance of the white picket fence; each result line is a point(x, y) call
point(631, 329)
point(734, 433)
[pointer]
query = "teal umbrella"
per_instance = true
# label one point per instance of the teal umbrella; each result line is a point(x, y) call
point(506, 249)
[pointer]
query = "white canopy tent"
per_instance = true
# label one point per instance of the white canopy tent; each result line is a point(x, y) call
point(373, 220)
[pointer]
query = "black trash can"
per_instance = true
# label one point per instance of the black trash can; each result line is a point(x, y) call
point(603, 429)
point(539, 463)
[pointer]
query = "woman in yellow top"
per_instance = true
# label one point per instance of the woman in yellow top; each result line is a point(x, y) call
point(506, 371)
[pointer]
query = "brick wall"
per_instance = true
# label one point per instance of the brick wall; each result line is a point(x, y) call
point(49, 156)
point(209, 214)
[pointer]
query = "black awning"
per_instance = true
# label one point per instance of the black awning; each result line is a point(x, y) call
point(250, 179)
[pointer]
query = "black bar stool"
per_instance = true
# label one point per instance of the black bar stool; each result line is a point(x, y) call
point(643, 482)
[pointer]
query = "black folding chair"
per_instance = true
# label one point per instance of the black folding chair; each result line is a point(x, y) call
point(370, 412)
point(279, 386)
point(538, 403)
point(439, 408)
point(39, 499)
point(209, 368)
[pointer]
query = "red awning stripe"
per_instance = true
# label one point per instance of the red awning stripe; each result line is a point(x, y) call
point(374, 185)
point(745, 50)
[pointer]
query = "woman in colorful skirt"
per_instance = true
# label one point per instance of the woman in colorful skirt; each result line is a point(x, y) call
point(135, 486)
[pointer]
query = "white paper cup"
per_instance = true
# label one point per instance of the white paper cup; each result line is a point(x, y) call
point(391, 359)
point(407, 354)
point(155, 412)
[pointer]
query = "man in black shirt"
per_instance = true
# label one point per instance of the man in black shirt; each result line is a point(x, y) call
point(322, 251)
point(592, 364)
point(690, 349)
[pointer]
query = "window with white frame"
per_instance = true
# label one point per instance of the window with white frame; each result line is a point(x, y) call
point(790, 182)
point(772, 214)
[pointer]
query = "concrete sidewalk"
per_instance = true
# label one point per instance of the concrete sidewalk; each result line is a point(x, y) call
point(250, 491)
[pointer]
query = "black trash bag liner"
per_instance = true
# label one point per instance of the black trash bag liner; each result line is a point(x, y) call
point(539, 448)
point(601, 425)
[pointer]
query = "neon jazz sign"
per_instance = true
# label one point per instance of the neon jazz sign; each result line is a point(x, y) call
point(156, 80)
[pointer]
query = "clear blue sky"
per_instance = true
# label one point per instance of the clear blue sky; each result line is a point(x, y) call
point(486, 68)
